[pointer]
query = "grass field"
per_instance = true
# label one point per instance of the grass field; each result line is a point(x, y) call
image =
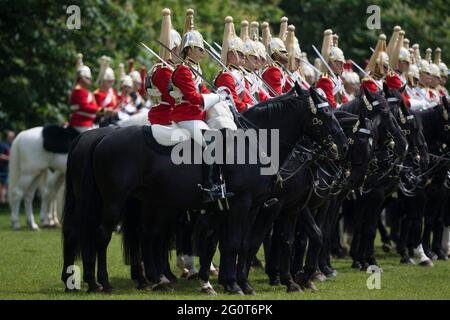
point(30, 267)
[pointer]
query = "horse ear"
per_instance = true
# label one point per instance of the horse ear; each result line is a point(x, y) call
point(365, 91)
point(386, 89)
point(445, 102)
point(298, 90)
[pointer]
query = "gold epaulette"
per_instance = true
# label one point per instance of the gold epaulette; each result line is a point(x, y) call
point(77, 87)
point(324, 75)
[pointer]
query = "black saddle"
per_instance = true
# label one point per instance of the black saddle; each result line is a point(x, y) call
point(57, 139)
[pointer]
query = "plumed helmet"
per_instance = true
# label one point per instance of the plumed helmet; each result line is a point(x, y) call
point(85, 72)
point(283, 28)
point(168, 36)
point(231, 42)
point(442, 66)
point(127, 81)
point(413, 71)
point(136, 76)
point(109, 75)
point(379, 58)
point(191, 37)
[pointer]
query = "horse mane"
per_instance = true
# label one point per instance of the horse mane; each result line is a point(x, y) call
point(265, 111)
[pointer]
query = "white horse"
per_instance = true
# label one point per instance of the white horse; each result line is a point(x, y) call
point(28, 166)
point(31, 166)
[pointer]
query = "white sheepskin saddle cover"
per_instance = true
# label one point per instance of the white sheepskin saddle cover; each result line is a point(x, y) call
point(218, 116)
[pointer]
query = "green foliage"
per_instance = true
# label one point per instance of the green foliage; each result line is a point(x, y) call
point(38, 51)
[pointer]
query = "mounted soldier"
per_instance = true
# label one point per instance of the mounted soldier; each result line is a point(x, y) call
point(252, 62)
point(351, 81)
point(192, 100)
point(159, 77)
point(378, 66)
point(443, 72)
point(331, 88)
point(82, 101)
point(294, 64)
point(273, 73)
point(105, 95)
point(233, 57)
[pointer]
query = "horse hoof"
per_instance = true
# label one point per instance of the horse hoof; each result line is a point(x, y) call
point(67, 290)
point(107, 289)
point(95, 288)
point(163, 287)
point(356, 265)
point(192, 276)
point(144, 287)
point(247, 289)
point(386, 247)
point(16, 227)
point(426, 263)
point(292, 287)
point(319, 276)
point(233, 289)
point(274, 281)
point(184, 274)
point(208, 291)
point(34, 227)
point(407, 261)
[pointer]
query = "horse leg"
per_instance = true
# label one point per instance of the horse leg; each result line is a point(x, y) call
point(207, 227)
point(230, 238)
point(245, 256)
point(273, 255)
point(103, 235)
point(370, 231)
point(28, 203)
point(286, 228)
point(314, 234)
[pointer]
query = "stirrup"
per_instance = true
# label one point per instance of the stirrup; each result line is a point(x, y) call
point(271, 202)
point(217, 192)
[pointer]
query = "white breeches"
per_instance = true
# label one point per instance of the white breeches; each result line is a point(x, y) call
point(82, 129)
point(195, 128)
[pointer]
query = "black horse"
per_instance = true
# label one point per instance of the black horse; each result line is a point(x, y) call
point(298, 177)
point(109, 180)
point(390, 151)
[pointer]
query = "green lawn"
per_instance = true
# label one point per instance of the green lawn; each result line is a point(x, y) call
point(30, 266)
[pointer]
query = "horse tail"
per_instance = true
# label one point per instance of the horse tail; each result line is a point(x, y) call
point(90, 203)
point(69, 219)
point(14, 166)
point(130, 234)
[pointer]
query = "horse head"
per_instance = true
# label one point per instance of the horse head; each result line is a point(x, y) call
point(322, 126)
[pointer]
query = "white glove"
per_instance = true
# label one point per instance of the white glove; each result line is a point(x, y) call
point(223, 92)
point(210, 99)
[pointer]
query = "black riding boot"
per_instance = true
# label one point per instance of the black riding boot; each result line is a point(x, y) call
point(214, 184)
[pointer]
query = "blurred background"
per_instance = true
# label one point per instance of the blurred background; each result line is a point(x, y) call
point(38, 51)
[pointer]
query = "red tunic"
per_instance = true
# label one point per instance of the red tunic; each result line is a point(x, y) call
point(274, 78)
point(122, 101)
point(369, 84)
point(83, 107)
point(327, 86)
point(225, 79)
point(106, 99)
point(160, 114)
point(393, 81)
point(190, 106)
